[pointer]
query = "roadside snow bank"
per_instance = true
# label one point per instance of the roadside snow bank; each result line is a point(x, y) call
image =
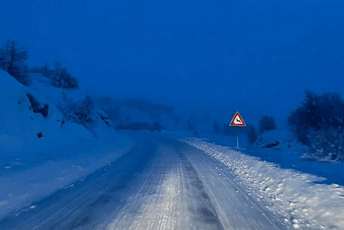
point(286, 192)
point(23, 187)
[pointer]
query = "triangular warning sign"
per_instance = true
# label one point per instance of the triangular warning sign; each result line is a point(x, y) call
point(237, 120)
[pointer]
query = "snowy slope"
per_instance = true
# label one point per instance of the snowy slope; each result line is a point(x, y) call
point(19, 125)
point(41, 85)
point(33, 166)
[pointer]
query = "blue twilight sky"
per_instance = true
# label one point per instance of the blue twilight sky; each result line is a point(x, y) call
point(257, 57)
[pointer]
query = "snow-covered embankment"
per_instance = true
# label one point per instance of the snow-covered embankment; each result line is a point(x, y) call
point(286, 192)
point(41, 152)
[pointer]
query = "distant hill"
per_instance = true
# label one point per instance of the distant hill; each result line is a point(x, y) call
point(154, 110)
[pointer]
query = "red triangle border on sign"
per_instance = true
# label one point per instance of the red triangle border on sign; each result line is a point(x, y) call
point(232, 122)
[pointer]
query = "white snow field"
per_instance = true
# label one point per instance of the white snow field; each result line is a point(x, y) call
point(32, 167)
point(22, 187)
point(285, 192)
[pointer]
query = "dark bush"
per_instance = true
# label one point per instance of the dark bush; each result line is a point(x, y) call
point(319, 124)
point(251, 134)
point(60, 77)
point(191, 124)
point(63, 79)
point(79, 112)
point(19, 72)
point(266, 123)
point(39, 134)
point(216, 127)
point(157, 127)
point(13, 59)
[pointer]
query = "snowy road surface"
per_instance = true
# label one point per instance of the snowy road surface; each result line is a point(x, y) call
point(161, 183)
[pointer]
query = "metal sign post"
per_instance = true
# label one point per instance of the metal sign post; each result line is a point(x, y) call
point(237, 121)
point(237, 140)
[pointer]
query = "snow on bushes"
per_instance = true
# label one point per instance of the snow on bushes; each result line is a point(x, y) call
point(13, 59)
point(266, 123)
point(319, 124)
point(79, 112)
point(58, 77)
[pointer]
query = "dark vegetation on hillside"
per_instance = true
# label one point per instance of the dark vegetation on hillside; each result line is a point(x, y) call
point(319, 124)
point(216, 128)
point(191, 124)
point(58, 76)
point(13, 58)
point(79, 112)
point(266, 123)
point(251, 134)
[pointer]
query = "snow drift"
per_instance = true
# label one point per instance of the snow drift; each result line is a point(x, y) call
point(286, 192)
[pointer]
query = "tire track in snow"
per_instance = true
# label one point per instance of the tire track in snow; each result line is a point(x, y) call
point(88, 203)
point(160, 184)
point(178, 200)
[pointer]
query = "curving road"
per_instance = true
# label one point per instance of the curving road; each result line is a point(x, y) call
point(159, 184)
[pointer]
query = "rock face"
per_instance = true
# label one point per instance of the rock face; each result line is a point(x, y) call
point(36, 107)
point(273, 139)
point(270, 145)
point(103, 116)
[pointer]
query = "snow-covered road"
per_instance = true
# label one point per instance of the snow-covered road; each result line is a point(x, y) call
point(161, 183)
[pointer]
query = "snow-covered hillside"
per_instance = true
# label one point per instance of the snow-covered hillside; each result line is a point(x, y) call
point(32, 125)
point(41, 152)
point(101, 126)
point(130, 110)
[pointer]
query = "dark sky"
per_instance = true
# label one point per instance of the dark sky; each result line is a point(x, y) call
point(253, 56)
